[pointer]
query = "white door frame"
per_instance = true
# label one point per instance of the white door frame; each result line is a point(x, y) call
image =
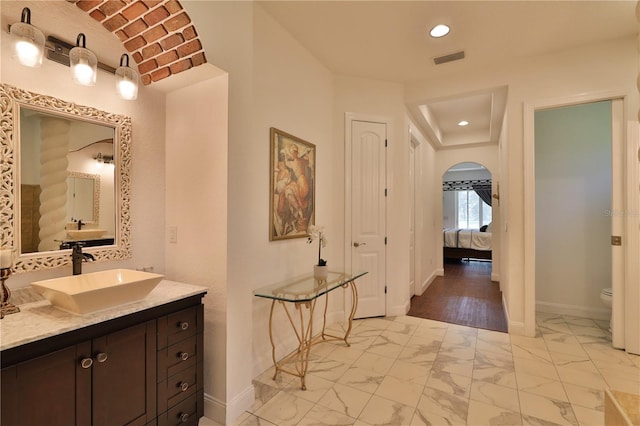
point(350, 117)
point(529, 192)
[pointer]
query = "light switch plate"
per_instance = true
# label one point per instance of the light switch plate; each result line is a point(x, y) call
point(173, 234)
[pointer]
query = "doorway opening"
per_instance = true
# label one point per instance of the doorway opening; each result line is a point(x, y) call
point(467, 214)
point(465, 294)
point(574, 196)
point(585, 300)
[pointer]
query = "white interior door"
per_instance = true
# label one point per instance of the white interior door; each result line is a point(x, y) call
point(368, 214)
point(412, 220)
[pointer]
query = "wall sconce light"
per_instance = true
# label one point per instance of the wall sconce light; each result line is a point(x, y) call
point(103, 159)
point(83, 62)
point(126, 80)
point(27, 41)
point(28, 46)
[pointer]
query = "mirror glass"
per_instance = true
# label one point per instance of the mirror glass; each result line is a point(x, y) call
point(65, 178)
point(59, 153)
point(83, 197)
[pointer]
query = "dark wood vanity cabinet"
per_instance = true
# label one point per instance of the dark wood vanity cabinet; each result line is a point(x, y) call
point(144, 370)
point(180, 367)
point(50, 390)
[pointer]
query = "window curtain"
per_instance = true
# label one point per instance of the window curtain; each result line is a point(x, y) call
point(484, 192)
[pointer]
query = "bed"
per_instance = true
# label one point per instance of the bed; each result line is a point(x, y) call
point(466, 243)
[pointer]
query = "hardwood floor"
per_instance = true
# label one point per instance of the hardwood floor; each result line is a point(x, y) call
point(465, 295)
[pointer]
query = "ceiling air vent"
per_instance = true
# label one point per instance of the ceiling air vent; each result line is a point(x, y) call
point(449, 58)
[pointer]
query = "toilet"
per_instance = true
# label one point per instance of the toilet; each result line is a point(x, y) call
point(606, 295)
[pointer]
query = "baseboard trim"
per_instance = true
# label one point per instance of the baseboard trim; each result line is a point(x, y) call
point(514, 327)
point(214, 409)
point(399, 310)
point(226, 413)
point(495, 277)
point(425, 285)
point(573, 310)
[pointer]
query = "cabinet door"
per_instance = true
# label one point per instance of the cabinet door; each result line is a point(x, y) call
point(124, 368)
point(44, 391)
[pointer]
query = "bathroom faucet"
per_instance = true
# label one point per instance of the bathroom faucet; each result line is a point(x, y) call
point(77, 257)
point(80, 224)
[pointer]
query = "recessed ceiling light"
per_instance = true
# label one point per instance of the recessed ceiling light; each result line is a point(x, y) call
point(439, 30)
point(463, 123)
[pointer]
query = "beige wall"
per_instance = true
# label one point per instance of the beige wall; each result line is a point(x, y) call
point(147, 114)
point(426, 214)
point(196, 181)
point(594, 68)
point(273, 81)
point(292, 92)
point(384, 100)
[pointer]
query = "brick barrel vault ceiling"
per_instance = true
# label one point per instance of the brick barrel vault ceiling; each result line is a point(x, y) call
point(158, 34)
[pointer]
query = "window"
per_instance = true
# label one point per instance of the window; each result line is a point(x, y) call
point(472, 212)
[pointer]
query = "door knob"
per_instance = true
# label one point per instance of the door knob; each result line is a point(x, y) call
point(357, 244)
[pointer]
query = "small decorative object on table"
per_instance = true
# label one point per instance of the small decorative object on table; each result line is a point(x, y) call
point(6, 262)
point(320, 270)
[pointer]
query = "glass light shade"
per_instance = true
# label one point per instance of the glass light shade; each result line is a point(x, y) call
point(27, 44)
point(127, 83)
point(439, 30)
point(84, 66)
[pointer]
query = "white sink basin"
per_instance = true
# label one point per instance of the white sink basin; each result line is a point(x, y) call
point(87, 293)
point(85, 234)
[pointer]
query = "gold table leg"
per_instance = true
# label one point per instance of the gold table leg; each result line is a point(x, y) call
point(304, 334)
point(352, 313)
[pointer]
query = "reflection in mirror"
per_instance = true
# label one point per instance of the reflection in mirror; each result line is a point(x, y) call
point(83, 197)
point(65, 177)
point(58, 162)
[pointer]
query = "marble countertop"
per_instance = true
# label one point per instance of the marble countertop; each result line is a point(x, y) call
point(38, 319)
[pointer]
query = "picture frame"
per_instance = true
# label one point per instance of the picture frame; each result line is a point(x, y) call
point(291, 186)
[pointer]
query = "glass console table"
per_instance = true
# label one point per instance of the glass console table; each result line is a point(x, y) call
point(303, 292)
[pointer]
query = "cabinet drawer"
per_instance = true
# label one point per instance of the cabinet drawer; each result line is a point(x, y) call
point(176, 388)
point(177, 357)
point(186, 413)
point(179, 325)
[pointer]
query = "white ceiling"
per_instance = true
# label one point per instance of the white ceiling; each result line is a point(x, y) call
point(389, 41)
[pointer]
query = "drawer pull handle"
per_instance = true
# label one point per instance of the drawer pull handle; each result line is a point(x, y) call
point(86, 362)
point(102, 357)
point(183, 325)
point(184, 386)
point(184, 356)
point(184, 417)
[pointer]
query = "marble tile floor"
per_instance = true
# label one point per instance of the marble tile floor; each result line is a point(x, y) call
point(412, 371)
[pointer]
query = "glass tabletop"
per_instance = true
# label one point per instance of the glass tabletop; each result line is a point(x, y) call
point(305, 288)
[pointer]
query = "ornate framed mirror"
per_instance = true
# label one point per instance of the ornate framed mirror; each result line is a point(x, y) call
point(65, 167)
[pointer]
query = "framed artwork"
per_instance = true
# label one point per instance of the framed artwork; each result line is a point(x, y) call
point(292, 186)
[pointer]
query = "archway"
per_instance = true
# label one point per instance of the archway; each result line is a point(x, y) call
point(159, 35)
point(467, 212)
point(465, 294)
